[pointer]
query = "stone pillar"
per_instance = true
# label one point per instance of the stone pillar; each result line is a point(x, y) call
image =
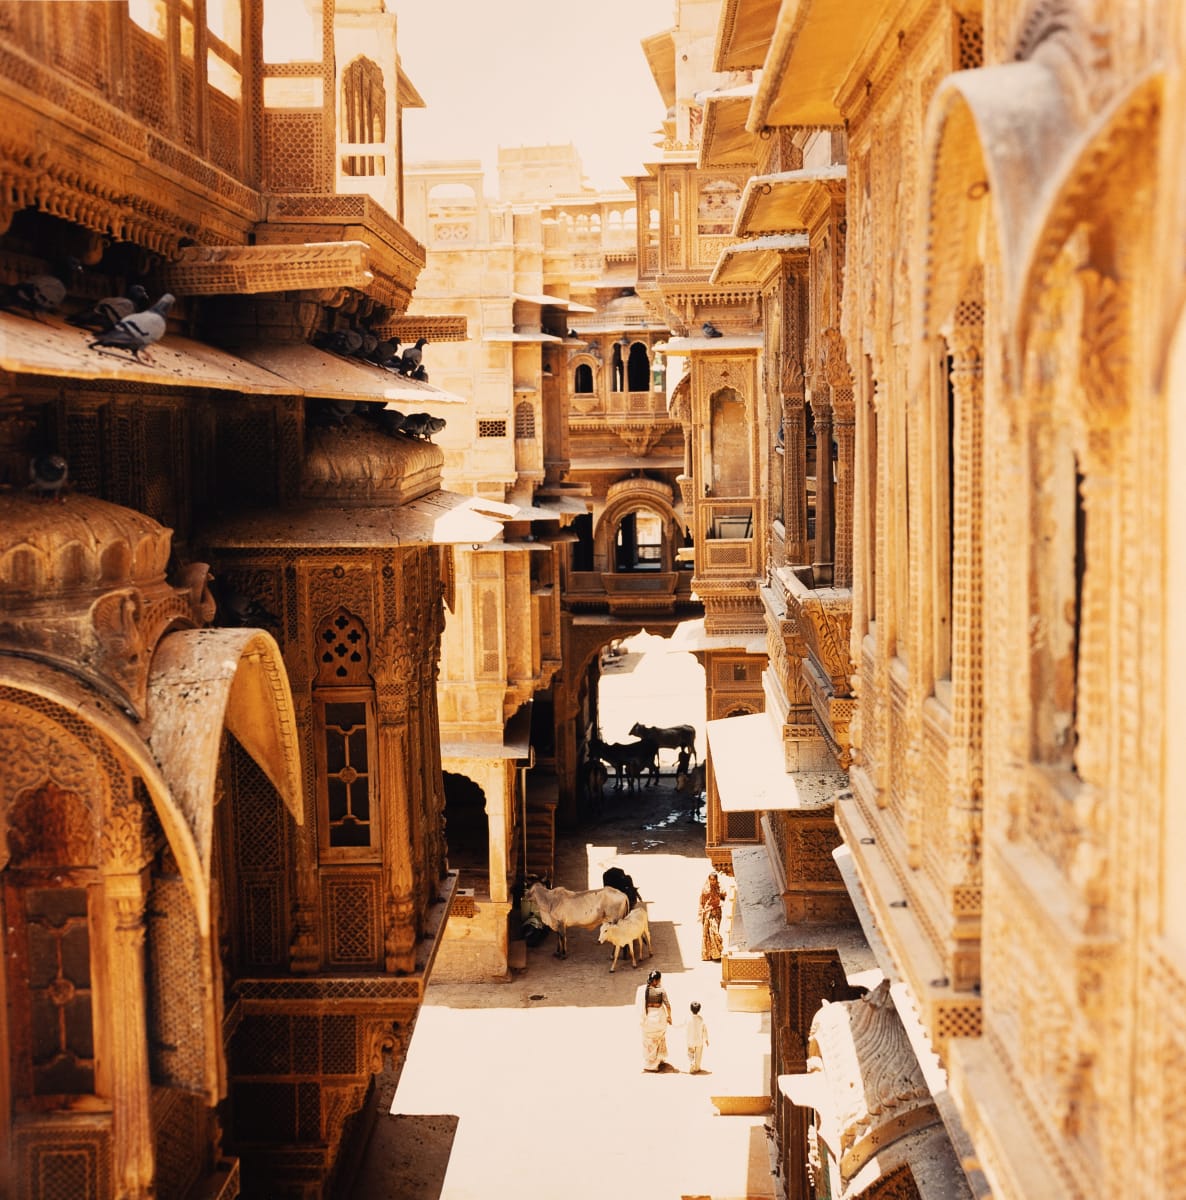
point(844, 408)
point(794, 413)
point(397, 674)
point(822, 565)
point(124, 896)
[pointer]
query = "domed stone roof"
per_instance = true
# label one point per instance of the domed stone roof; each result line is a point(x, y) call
point(357, 464)
point(78, 547)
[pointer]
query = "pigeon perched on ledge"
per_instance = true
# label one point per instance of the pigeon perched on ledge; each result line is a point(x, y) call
point(43, 293)
point(710, 330)
point(48, 474)
point(107, 313)
point(411, 358)
point(422, 425)
point(139, 331)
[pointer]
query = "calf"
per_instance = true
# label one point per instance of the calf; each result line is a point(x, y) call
point(633, 927)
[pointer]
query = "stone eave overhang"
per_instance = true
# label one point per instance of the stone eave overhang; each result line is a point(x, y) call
point(744, 30)
point(788, 201)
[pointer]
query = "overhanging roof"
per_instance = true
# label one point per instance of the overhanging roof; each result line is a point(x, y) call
point(813, 48)
point(440, 517)
point(750, 769)
point(552, 302)
point(724, 139)
point(659, 49)
point(751, 261)
point(514, 336)
point(781, 203)
point(317, 373)
point(697, 345)
point(51, 347)
point(744, 30)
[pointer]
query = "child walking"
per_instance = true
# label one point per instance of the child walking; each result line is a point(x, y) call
point(697, 1038)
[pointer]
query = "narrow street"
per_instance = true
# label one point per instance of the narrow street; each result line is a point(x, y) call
point(534, 1087)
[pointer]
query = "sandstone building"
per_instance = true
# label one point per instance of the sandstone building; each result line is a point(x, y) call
point(223, 852)
point(959, 233)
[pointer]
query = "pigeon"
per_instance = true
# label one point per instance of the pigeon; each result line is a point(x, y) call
point(410, 359)
point(345, 342)
point(419, 373)
point(389, 420)
point(710, 330)
point(422, 425)
point(47, 476)
point(105, 314)
point(329, 414)
point(385, 353)
point(43, 293)
point(139, 331)
point(366, 345)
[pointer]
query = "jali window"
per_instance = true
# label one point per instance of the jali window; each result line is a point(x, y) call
point(344, 711)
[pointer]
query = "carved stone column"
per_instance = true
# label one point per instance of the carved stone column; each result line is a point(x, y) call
point(825, 507)
point(794, 413)
point(842, 401)
point(123, 913)
point(396, 673)
point(967, 593)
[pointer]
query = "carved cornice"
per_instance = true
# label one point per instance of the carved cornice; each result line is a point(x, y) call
point(230, 270)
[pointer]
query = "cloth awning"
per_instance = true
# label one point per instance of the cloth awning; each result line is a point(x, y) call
point(317, 373)
point(750, 769)
point(689, 635)
point(440, 517)
point(52, 347)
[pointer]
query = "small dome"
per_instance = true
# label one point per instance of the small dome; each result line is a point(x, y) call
point(80, 546)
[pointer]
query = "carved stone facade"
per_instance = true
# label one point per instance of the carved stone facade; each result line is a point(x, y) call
point(985, 327)
point(223, 854)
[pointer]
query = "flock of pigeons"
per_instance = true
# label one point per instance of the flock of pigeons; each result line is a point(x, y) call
point(131, 323)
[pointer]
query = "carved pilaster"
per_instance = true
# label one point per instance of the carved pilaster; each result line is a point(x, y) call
point(123, 903)
point(397, 677)
point(824, 558)
point(967, 591)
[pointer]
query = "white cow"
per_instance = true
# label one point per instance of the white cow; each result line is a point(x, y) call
point(633, 927)
point(559, 908)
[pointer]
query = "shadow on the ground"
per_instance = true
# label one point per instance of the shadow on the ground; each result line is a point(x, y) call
point(407, 1157)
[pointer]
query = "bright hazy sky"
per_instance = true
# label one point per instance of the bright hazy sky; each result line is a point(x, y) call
point(532, 73)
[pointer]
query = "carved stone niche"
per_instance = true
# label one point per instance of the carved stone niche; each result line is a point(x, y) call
point(82, 583)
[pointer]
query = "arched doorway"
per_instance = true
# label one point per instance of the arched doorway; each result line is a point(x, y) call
point(467, 831)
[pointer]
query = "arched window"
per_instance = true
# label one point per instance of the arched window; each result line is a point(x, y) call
point(344, 719)
point(638, 369)
point(638, 543)
point(582, 379)
point(363, 115)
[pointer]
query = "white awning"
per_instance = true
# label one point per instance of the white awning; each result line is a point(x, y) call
point(750, 769)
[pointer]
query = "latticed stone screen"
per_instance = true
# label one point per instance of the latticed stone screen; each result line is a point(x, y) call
point(259, 834)
point(351, 921)
point(524, 420)
point(295, 151)
point(491, 428)
point(62, 1166)
point(175, 988)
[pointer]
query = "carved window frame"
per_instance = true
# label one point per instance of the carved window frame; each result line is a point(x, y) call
point(323, 698)
point(18, 887)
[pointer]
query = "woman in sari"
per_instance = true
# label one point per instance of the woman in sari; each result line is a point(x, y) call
point(710, 919)
point(656, 1016)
